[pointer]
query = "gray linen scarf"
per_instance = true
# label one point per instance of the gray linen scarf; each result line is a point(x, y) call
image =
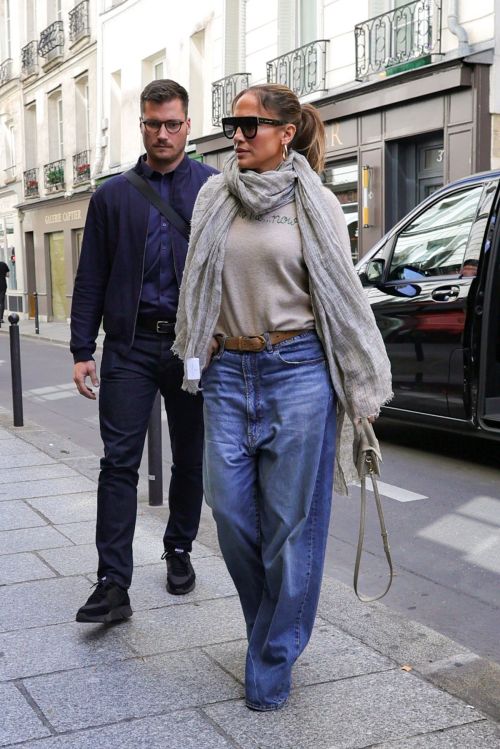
point(358, 363)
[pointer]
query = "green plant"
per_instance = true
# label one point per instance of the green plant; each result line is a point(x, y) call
point(55, 176)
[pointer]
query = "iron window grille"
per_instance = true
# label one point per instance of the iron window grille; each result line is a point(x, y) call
point(79, 21)
point(401, 38)
point(81, 167)
point(302, 69)
point(29, 59)
point(51, 42)
point(31, 183)
point(53, 174)
point(223, 93)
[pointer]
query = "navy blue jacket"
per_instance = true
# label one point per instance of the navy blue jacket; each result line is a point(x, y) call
point(108, 282)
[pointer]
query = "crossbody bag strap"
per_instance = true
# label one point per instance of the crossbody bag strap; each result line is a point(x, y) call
point(361, 536)
point(142, 185)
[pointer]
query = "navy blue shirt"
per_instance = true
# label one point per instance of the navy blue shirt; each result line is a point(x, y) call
point(160, 287)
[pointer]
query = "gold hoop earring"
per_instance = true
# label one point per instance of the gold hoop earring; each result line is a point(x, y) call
point(284, 152)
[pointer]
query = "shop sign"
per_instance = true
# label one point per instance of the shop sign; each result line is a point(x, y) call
point(57, 218)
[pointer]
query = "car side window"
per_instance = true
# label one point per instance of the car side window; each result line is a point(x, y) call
point(434, 243)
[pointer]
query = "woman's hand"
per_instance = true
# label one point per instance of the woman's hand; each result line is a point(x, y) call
point(214, 347)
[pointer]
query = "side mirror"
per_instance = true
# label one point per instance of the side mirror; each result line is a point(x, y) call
point(372, 272)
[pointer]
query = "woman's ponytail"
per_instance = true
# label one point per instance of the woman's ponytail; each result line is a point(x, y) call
point(309, 139)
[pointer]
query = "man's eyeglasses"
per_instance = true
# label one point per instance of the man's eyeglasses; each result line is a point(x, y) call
point(247, 125)
point(153, 127)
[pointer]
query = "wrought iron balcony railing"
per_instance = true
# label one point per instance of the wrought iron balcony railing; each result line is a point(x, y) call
point(5, 71)
point(303, 69)
point(81, 167)
point(51, 44)
point(29, 59)
point(53, 174)
point(397, 38)
point(223, 93)
point(31, 183)
point(79, 21)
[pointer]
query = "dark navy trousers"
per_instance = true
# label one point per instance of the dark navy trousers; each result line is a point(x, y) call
point(128, 388)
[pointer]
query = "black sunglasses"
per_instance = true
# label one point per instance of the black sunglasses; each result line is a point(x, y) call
point(247, 125)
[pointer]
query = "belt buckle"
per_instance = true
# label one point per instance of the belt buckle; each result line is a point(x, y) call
point(252, 338)
point(163, 326)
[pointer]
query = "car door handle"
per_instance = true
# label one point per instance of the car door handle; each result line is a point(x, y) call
point(445, 293)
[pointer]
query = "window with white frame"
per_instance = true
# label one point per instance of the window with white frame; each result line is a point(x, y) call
point(30, 20)
point(30, 135)
point(298, 24)
point(5, 31)
point(82, 112)
point(56, 126)
point(154, 67)
point(54, 10)
point(115, 119)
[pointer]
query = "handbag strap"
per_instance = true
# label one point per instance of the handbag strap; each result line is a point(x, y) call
point(361, 536)
point(145, 188)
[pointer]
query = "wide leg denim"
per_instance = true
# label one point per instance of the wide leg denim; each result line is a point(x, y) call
point(268, 475)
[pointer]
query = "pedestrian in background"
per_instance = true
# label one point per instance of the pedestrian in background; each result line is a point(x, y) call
point(128, 276)
point(4, 272)
point(272, 307)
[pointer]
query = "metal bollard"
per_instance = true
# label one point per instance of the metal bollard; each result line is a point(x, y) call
point(15, 367)
point(155, 467)
point(37, 319)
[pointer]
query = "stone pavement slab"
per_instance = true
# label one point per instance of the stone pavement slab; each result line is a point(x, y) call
point(148, 584)
point(23, 459)
point(17, 514)
point(186, 626)
point(30, 539)
point(17, 568)
point(358, 712)
point(480, 735)
point(67, 508)
point(13, 446)
point(60, 647)
point(94, 696)
point(186, 730)
point(46, 487)
point(33, 473)
point(330, 655)
point(18, 722)
point(384, 630)
point(35, 604)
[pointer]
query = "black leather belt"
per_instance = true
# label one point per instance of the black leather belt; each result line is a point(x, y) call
point(156, 326)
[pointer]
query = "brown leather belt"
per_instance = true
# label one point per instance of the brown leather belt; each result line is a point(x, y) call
point(258, 342)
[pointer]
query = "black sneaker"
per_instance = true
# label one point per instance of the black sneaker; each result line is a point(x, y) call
point(108, 603)
point(181, 577)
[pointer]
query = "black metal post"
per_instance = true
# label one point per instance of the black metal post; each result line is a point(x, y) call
point(37, 319)
point(15, 367)
point(155, 467)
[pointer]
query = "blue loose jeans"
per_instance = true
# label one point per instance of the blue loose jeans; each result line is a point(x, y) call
point(268, 475)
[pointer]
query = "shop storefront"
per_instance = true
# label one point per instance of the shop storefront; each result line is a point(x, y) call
point(52, 232)
point(391, 143)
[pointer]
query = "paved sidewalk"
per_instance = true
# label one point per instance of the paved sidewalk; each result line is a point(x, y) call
point(172, 676)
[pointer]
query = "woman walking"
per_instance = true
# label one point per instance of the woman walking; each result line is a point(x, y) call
point(273, 312)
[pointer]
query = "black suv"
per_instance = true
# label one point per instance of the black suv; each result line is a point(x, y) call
point(434, 285)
